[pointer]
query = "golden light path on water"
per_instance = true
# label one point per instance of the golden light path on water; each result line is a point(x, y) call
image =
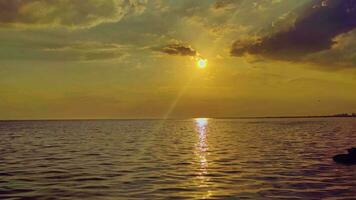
point(201, 151)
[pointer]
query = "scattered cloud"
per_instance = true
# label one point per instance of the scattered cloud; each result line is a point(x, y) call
point(65, 13)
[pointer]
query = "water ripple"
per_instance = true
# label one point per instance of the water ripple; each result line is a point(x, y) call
point(176, 159)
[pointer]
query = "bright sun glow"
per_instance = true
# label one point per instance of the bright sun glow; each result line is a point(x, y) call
point(202, 63)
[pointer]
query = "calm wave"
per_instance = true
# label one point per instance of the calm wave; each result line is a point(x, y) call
point(176, 159)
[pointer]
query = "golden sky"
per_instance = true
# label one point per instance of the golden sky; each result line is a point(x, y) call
point(65, 59)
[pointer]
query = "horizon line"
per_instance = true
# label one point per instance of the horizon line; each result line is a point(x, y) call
point(187, 118)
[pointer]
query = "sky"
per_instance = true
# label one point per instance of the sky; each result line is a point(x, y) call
point(65, 59)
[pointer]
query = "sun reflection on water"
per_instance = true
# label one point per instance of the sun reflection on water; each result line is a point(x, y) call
point(201, 151)
point(202, 146)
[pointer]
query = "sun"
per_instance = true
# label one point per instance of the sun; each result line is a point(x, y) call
point(202, 63)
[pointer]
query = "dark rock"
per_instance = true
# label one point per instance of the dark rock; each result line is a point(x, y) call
point(352, 151)
point(346, 159)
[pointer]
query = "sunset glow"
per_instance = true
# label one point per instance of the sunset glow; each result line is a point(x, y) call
point(176, 59)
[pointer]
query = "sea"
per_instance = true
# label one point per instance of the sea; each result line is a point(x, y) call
point(177, 159)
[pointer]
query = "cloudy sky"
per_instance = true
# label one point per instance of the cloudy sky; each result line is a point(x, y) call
point(137, 58)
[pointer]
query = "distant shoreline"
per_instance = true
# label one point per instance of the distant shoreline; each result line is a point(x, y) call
point(286, 117)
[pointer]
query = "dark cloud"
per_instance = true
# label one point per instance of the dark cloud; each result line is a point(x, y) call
point(178, 49)
point(314, 31)
point(65, 13)
point(341, 54)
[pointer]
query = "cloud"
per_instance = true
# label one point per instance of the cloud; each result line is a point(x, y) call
point(343, 52)
point(235, 5)
point(314, 31)
point(226, 4)
point(102, 55)
point(65, 13)
point(178, 49)
point(89, 51)
point(85, 46)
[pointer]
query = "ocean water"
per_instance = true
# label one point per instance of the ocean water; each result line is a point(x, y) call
point(177, 159)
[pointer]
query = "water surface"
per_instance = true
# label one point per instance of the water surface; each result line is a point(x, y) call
point(176, 159)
